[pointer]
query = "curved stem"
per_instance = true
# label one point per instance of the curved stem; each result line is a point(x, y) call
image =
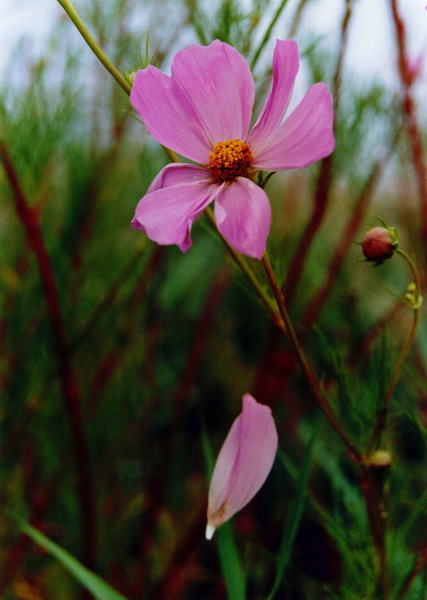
point(241, 262)
point(304, 363)
point(103, 58)
point(72, 13)
point(417, 299)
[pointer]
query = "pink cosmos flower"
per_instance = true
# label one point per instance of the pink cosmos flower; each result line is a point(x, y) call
point(203, 112)
point(244, 461)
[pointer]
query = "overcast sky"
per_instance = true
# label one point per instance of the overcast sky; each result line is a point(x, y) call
point(370, 53)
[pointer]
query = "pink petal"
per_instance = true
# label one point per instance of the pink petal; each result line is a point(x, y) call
point(167, 115)
point(285, 69)
point(242, 215)
point(305, 137)
point(217, 82)
point(177, 173)
point(177, 196)
point(243, 464)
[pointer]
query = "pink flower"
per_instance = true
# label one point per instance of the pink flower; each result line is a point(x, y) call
point(244, 461)
point(203, 112)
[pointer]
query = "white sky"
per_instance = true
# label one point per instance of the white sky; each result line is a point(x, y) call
point(371, 52)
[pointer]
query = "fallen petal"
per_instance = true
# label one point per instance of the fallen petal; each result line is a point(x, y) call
point(243, 463)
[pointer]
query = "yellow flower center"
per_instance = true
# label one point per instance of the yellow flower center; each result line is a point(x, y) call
point(230, 159)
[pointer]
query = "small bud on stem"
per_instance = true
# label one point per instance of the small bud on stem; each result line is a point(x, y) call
point(379, 244)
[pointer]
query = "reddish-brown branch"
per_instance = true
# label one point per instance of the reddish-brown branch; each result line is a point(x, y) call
point(322, 194)
point(409, 110)
point(347, 237)
point(29, 219)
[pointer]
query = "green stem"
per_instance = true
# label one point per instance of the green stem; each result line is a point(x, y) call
point(266, 36)
point(304, 362)
point(382, 415)
point(250, 276)
point(72, 13)
point(101, 56)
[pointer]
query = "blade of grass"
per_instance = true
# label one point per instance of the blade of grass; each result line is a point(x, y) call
point(294, 517)
point(267, 34)
point(86, 578)
point(231, 565)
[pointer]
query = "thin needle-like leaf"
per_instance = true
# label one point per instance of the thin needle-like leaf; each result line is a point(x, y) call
point(86, 578)
point(294, 518)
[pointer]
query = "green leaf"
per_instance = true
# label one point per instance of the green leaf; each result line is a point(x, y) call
point(88, 580)
point(230, 563)
point(294, 517)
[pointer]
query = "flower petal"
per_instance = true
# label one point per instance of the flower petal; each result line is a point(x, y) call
point(217, 82)
point(177, 173)
point(285, 69)
point(242, 215)
point(167, 115)
point(176, 197)
point(243, 463)
point(305, 137)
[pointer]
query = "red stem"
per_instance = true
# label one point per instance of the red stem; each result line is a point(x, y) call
point(314, 308)
point(321, 197)
point(409, 111)
point(28, 217)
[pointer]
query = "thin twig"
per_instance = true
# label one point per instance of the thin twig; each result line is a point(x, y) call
point(382, 416)
point(267, 34)
point(240, 261)
point(409, 110)
point(304, 363)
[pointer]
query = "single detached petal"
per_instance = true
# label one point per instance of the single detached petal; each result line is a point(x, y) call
point(242, 215)
point(217, 82)
point(167, 115)
point(305, 136)
point(285, 69)
point(243, 463)
point(176, 198)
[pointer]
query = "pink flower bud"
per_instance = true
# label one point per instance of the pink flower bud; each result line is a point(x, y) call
point(244, 461)
point(379, 244)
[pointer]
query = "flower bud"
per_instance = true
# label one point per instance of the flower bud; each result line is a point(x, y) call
point(379, 459)
point(379, 244)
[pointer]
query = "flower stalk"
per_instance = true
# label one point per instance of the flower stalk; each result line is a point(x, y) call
point(304, 363)
point(250, 275)
point(90, 41)
point(414, 299)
